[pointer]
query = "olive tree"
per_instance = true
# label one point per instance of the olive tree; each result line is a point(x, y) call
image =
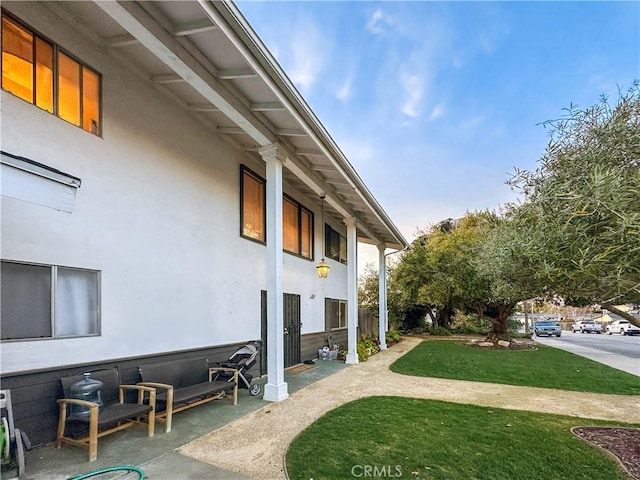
point(456, 266)
point(579, 226)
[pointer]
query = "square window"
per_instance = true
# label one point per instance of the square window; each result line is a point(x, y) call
point(47, 301)
point(335, 314)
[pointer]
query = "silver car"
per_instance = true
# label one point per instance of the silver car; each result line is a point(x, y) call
point(586, 326)
point(547, 327)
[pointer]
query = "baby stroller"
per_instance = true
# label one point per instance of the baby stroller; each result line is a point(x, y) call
point(242, 360)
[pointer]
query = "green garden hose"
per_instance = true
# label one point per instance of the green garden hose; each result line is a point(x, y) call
point(119, 468)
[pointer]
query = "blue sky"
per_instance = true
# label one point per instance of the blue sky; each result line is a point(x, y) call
point(435, 103)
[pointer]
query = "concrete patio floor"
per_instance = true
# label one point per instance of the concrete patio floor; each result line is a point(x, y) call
point(157, 455)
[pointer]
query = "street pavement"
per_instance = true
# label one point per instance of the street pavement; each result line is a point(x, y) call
point(626, 363)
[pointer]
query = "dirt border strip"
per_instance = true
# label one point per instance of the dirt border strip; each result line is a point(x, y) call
point(623, 463)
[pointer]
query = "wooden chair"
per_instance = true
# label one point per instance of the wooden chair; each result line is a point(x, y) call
point(80, 429)
point(186, 383)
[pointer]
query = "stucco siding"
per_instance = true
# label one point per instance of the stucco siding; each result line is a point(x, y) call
point(157, 214)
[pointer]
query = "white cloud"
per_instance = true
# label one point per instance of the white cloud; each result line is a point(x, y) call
point(344, 91)
point(493, 34)
point(413, 85)
point(378, 22)
point(307, 54)
point(415, 54)
point(470, 126)
point(357, 150)
point(437, 112)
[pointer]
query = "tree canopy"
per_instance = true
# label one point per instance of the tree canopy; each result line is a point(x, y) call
point(579, 226)
point(447, 270)
point(575, 235)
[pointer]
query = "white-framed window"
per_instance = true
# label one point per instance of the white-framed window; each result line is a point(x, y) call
point(48, 301)
point(335, 314)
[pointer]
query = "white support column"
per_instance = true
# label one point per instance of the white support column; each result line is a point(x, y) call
point(382, 297)
point(276, 388)
point(352, 291)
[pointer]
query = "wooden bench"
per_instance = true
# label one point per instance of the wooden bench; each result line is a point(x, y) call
point(90, 421)
point(184, 384)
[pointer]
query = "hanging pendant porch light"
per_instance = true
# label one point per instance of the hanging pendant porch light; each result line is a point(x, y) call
point(322, 268)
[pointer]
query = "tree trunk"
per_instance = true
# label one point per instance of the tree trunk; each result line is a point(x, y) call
point(445, 315)
point(499, 315)
point(616, 311)
point(434, 321)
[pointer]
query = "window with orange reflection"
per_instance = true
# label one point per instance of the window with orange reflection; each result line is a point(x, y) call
point(17, 60)
point(38, 72)
point(68, 89)
point(44, 75)
point(297, 234)
point(252, 205)
point(90, 100)
point(290, 239)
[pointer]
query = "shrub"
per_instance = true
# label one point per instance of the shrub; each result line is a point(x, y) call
point(392, 336)
point(440, 332)
point(363, 354)
point(367, 346)
point(471, 324)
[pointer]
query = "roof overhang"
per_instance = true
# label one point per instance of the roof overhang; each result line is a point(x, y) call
point(205, 55)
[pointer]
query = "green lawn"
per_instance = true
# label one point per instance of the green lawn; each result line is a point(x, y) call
point(545, 367)
point(396, 437)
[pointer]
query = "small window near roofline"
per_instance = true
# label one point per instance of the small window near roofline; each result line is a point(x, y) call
point(335, 245)
point(41, 73)
point(297, 228)
point(253, 212)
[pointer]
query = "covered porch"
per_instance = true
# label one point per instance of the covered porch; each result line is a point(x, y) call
point(206, 57)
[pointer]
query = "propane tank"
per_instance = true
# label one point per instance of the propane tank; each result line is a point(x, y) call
point(87, 389)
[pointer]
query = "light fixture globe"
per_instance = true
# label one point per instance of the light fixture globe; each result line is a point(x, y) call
point(323, 269)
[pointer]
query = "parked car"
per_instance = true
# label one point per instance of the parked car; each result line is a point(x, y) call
point(546, 327)
point(623, 327)
point(586, 326)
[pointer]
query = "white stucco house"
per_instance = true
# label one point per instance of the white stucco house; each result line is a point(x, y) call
point(161, 194)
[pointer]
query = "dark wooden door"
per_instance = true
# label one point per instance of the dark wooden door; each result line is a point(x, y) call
point(291, 330)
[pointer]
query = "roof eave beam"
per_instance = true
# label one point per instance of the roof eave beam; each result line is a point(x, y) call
point(163, 45)
point(191, 28)
point(315, 184)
